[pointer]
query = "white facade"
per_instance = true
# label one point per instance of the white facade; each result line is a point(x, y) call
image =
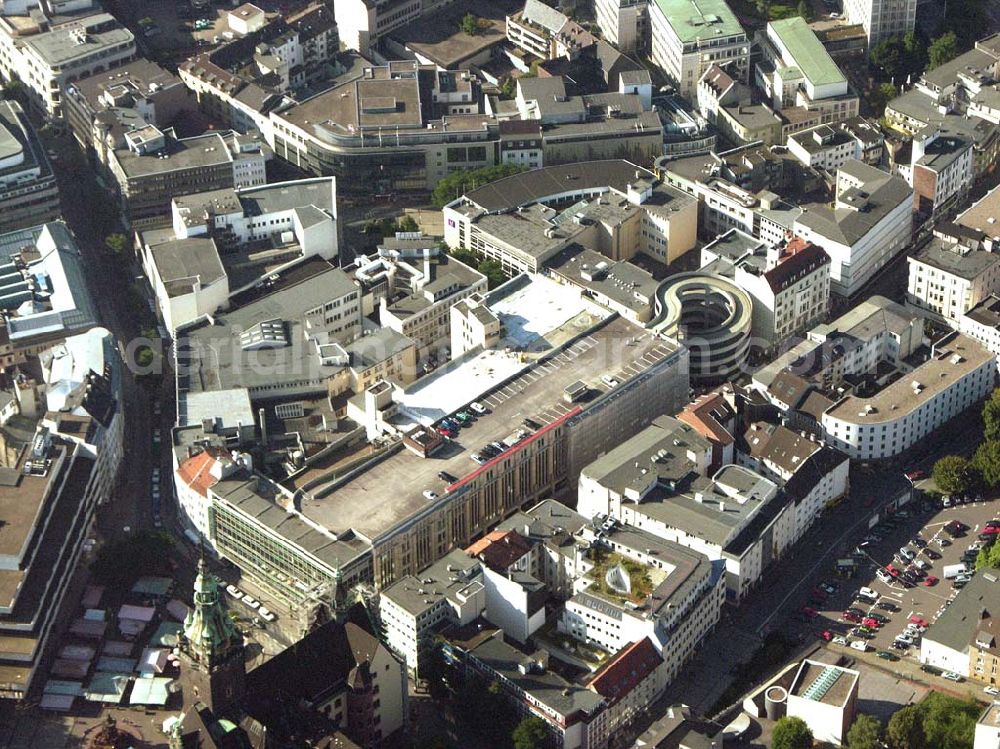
point(983, 325)
point(685, 57)
point(622, 22)
point(856, 255)
point(942, 656)
point(946, 294)
point(959, 373)
point(46, 62)
point(509, 606)
point(882, 18)
point(361, 23)
point(827, 150)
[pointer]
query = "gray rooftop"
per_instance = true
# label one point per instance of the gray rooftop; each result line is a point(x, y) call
point(622, 282)
point(956, 627)
point(184, 263)
point(987, 312)
point(882, 193)
point(956, 259)
point(184, 153)
point(445, 579)
point(544, 686)
point(974, 63)
point(59, 48)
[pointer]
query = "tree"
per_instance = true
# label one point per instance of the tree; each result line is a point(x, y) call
point(991, 416)
point(865, 733)
point(14, 90)
point(470, 24)
point(906, 729)
point(914, 54)
point(116, 243)
point(954, 474)
point(493, 272)
point(805, 10)
point(949, 722)
point(791, 733)
point(407, 223)
point(530, 734)
point(887, 57)
point(881, 96)
point(942, 50)
point(987, 462)
point(457, 183)
point(508, 88)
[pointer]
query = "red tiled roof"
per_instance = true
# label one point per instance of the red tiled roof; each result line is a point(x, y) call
point(704, 416)
point(196, 472)
point(626, 670)
point(499, 549)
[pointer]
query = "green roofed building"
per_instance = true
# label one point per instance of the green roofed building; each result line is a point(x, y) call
point(688, 36)
point(797, 72)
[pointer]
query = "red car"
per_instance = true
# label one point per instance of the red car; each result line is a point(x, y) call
point(825, 635)
point(445, 431)
point(873, 623)
point(892, 570)
point(851, 617)
point(991, 529)
point(929, 581)
point(919, 622)
point(916, 475)
point(809, 612)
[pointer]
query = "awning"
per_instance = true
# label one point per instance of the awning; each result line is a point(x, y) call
point(57, 702)
point(92, 596)
point(70, 669)
point(106, 687)
point(153, 661)
point(150, 690)
point(177, 609)
point(138, 613)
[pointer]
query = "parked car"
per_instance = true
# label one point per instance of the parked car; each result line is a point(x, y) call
point(952, 676)
point(251, 603)
point(888, 606)
point(809, 612)
point(931, 554)
point(234, 592)
point(465, 418)
point(447, 477)
point(445, 431)
point(920, 622)
point(531, 424)
point(266, 614)
point(871, 623)
point(825, 635)
point(478, 458)
point(992, 691)
point(887, 656)
point(929, 581)
point(851, 617)
point(478, 407)
point(428, 494)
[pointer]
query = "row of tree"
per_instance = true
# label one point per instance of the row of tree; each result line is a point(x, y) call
point(457, 183)
point(938, 721)
point(956, 474)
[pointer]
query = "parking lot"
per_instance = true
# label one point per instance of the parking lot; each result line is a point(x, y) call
point(920, 528)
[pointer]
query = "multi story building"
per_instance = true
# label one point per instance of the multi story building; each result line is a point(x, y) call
point(656, 481)
point(416, 607)
point(825, 697)
point(824, 147)
point(941, 170)
point(48, 53)
point(544, 32)
point(43, 275)
point(620, 209)
point(153, 167)
point(198, 263)
point(958, 373)
point(51, 493)
point(417, 285)
point(796, 71)
point(101, 108)
point(789, 284)
point(952, 273)
point(964, 638)
point(28, 189)
point(982, 323)
point(634, 586)
point(688, 36)
point(882, 19)
point(624, 23)
point(869, 224)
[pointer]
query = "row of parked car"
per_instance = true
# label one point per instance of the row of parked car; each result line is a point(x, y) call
point(251, 603)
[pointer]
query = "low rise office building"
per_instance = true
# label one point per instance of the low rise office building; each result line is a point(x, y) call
point(829, 147)
point(48, 51)
point(152, 167)
point(618, 209)
point(546, 33)
point(882, 19)
point(982, 323)
point(964, 638)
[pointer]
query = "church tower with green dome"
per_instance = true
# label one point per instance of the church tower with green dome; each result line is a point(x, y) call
point(211, 649)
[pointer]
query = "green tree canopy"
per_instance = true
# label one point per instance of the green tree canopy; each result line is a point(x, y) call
point(457, 183)
point(407, 223)
point(948, 721)
point(942, 50)
point(954, 474)
point(898, 58)
point(470, 24)
point(987, 462)
point(991, 416)
point(865, 733)
point(805, 10)
point(881, 96)
point(530, 733)
point(116, 242)
point(906, 729)
point(791, 733)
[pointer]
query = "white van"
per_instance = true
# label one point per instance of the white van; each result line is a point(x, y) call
point(861, 645)
point(867, 594)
